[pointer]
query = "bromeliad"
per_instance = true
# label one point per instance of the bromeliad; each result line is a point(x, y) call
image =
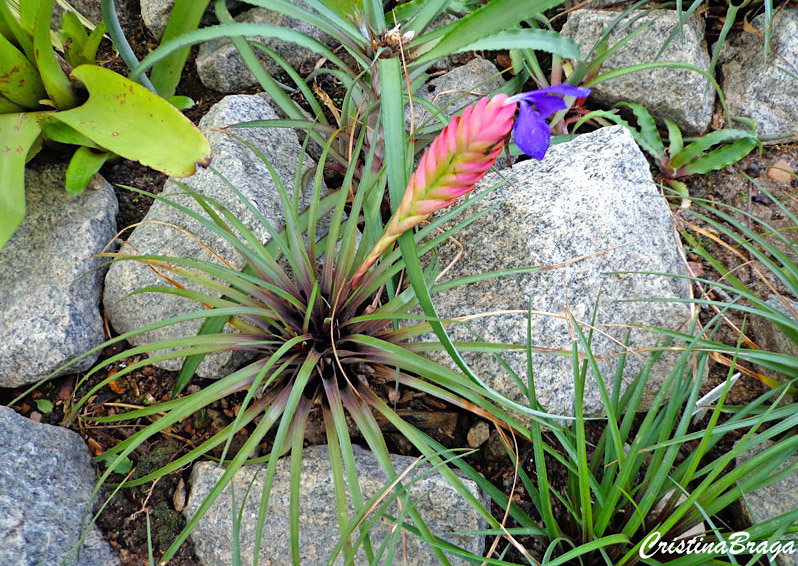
point(464, 151)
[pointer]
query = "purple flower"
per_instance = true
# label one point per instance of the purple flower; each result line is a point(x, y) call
point(532, 133)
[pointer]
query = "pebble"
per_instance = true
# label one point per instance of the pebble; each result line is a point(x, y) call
point(781, 172)
point(478, 434)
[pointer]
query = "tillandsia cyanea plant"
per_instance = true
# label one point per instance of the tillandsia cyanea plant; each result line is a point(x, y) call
point(101, 112)
point(318, 325)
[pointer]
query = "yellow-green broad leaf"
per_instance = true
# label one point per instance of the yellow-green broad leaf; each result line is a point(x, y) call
point(18, 133)
point(127, 119)
point(8, 107)
point(19, 79)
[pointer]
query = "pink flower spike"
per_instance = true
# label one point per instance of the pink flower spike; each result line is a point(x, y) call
point(454, 163)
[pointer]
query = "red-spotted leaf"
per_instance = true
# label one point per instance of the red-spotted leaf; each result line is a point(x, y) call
point(18, 132)
point(127, 119)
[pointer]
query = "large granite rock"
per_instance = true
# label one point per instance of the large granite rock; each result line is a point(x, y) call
point(245, 171)
point(681, 95)
point(593, 196)
point(443, 510)
point(46, 480)
point(455, 90)
point(773, 500)
point(49, 293)
point(221, 68)
point(762, 87)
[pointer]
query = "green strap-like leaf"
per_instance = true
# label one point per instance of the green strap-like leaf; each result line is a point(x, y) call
point(325, 20)
point(89, 51)
point(674, 137)
point(538, 39)
point(649, 134)
point(185, 16)
point(72, 34)
point(120, 41)
point(124, 117)
point(84, 164)
point(703, 144)
point(19, 79)
point(493, 17)
point(721, 157)
point(55, 80)
point(430, 9)
point(17, 132)
point(393, 125)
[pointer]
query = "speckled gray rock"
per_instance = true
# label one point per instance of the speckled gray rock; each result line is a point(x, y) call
point(46, 480)
point(221, 68)
point(680, 95)
point(593, 195)
point(246, 172)
point(761, 88)
point(155, 14)
point(456, 89)
point(776, 499)
point(443, 510)
point(49, 312)
point(769, 336)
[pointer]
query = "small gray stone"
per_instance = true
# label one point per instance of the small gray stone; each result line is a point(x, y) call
point(221, 68)
point(593, 197)
point(155, 14)
point(681, 95)
point(243, 170)
point(456, 89)
point(773, 500)
point(49, 295)
point(46, 480)
point(759, 87)
point(443, 510)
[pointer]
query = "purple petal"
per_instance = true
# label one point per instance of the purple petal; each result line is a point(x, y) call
point(563, 90)
point(548, 105)
point(532, 133)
